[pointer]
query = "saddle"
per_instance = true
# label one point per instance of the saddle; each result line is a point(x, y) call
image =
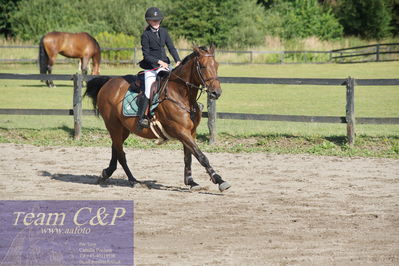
point(136, 90)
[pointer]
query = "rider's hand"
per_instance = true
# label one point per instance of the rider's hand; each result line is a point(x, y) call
point(163, 64)
point(177, 63)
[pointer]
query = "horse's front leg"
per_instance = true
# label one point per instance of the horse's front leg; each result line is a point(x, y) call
point(189, 143)
point(188, 178)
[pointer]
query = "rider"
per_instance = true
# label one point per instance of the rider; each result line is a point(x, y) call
point(153, 42)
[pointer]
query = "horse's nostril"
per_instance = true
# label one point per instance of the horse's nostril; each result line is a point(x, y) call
point(215, 95)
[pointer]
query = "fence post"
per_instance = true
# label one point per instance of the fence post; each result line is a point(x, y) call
point(212, 120)
point(77, 104)
point(251, 56)
point(134, 56)
point(350, 110)
point(377, 52)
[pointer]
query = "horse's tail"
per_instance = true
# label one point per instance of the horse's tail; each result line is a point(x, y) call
point(43, 57)
point(93, 88)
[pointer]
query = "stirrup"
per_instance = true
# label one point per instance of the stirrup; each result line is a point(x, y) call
point(144, 123)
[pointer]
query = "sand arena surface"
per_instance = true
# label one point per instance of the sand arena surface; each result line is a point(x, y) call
point(281, 209)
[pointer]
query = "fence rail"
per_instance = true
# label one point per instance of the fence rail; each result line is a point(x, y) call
point(222, 115)
point(375, 51)
point(345, 55)
point(236, 80)
point(212, 115)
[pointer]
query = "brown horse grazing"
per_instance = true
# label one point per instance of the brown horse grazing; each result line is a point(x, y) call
point(74, 45)
point(178, 112)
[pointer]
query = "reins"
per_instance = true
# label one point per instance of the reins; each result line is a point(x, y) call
point(202, 87)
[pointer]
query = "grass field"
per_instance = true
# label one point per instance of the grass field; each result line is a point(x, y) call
point(233, 135)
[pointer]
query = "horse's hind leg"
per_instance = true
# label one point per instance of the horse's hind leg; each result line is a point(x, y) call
point(51, 61)
point(107, 172)
point(96, 64)
point(118, 135)
point(188, 179)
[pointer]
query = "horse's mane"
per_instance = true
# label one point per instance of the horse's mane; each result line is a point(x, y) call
point(193, 54)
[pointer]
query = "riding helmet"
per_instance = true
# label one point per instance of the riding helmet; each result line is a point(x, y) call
point(153, 13)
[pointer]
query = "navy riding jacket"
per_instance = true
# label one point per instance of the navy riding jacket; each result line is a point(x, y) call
point(153, 47)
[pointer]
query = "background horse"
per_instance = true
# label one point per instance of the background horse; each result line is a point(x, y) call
point(178, 112)
point(73, 45)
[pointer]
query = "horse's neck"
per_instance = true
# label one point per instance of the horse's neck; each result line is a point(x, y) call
point(187, 73)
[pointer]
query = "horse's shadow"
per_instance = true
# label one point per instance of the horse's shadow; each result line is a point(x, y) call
point(44, 85)
point(93, 180)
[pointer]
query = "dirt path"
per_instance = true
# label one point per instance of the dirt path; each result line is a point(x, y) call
point(281, 209)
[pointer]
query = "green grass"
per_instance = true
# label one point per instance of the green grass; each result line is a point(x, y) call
point(233, 135)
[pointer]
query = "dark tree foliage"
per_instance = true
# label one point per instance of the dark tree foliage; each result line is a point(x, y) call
point(370, 19)
point(6, 7)
point(394, 4)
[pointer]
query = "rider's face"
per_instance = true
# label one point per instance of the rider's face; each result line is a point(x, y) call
point(154, 23)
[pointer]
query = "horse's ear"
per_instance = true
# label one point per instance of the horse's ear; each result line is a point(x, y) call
point(196, 49)
point(212, 48)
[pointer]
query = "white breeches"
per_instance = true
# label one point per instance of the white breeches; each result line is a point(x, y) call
point(149, 78)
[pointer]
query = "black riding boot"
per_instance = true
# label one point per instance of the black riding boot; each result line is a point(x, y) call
point(142, 107)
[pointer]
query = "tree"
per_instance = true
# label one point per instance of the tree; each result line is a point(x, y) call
point(6, 7)
point(301, 19)
point(33, 18)
point(394, 4)
point(366, 18)
point(226, 23)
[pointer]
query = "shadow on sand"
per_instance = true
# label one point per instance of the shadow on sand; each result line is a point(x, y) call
point(93, 180)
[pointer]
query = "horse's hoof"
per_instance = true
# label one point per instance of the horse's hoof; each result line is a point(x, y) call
point(134, 182)
point(101, 180)
point(104, 174)
point(223, 186)
point(195, 187)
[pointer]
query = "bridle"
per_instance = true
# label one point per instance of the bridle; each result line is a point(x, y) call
point(203, 86)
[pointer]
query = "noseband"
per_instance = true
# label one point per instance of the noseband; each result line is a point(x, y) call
point(203, 86)
point(199, 67)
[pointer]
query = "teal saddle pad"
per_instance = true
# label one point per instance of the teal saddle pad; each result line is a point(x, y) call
point(129, 104)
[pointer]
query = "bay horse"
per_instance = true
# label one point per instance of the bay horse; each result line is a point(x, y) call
point(178, 112)
point(74, 45)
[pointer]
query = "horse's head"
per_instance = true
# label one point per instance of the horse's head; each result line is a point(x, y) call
point(207, 69)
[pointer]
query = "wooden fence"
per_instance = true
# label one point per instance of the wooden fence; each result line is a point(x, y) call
point(212, 115)
point(367, 53)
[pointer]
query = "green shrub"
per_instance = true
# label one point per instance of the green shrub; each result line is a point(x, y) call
point(301, 19)
point(250, 29)
point(115, 40)
point(34, 18)
point(226, 23)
